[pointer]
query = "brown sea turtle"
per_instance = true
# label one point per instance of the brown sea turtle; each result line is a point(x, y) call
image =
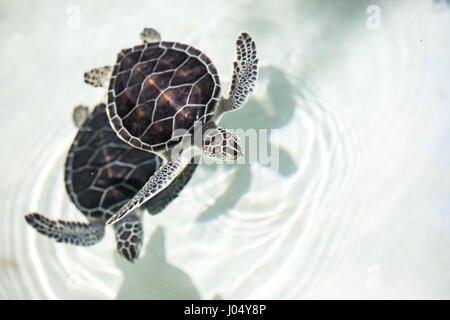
point(160, 92)
point(101, 174)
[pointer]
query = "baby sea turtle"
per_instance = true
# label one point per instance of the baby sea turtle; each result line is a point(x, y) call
point(101, 174)
point(160, 93)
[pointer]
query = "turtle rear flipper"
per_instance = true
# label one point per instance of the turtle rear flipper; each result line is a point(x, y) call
point(77, 233)
point(98, 77)
point(79, 115)
point(129, 236)
point(149, 35)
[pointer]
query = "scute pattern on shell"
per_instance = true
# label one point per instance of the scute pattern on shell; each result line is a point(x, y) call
point(101, 171)
point(157, 88)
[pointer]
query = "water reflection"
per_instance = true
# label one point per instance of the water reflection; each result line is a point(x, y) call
point(152, 277)
point(274, 111)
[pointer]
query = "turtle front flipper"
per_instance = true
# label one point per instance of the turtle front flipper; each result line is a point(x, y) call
point(245, 70)
point(157, 182)
point(162, 199)
point(98, 77)
point(77, 233)
point(129, 236)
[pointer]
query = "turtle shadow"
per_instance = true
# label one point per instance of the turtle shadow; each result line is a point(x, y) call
point(152, 277)
point(274, 112)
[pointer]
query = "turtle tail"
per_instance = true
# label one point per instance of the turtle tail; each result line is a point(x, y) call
point(77, 233)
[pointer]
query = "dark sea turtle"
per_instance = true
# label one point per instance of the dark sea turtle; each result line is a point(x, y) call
point(101, 174)
point(160, 92)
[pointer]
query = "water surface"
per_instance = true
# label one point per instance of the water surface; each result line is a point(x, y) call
point(358, 208)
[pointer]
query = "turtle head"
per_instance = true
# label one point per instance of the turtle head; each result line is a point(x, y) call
point(221, 144)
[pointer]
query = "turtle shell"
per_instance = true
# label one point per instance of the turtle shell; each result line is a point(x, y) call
point(159, 91)
point(101, 171)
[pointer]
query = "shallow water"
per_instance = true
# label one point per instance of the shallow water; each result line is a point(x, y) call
point(358, 208)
